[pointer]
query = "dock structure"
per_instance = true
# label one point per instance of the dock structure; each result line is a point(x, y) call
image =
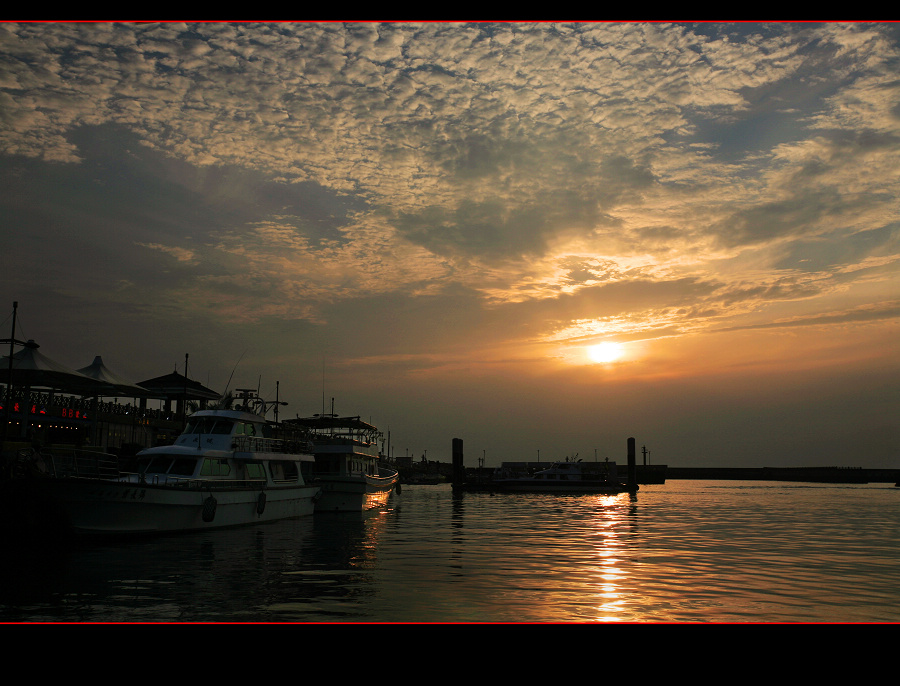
point(480, 478)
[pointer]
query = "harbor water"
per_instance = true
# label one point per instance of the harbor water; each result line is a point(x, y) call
point(687, 551)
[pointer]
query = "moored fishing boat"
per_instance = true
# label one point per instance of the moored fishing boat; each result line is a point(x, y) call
point(568, 476)
point(348, 465)
point(227, 468)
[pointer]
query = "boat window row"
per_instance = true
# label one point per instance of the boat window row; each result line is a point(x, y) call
point(208, 425)
point(281, 471)
point(337, 465)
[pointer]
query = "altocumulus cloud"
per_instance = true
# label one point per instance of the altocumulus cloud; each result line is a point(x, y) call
point(520, 162)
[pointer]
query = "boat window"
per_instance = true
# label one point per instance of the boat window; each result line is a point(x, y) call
point(183, 466)
point(245, 429)
point(158, 465)
point(282, 470)
point(213, 467)
point(193, 426)
point(209, 425)
point(255, 471)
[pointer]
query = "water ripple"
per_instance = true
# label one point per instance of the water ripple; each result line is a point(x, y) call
point(688, 551)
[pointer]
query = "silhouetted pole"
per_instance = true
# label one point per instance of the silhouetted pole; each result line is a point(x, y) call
point(459, 470)
point(632, 466)
point(184, 397)
point(12, 342)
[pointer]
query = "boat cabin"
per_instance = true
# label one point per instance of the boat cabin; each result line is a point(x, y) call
point(579, 471)
point(229, 445)
point(343, 446)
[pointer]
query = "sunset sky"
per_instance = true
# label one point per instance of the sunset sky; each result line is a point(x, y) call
point(435, 223)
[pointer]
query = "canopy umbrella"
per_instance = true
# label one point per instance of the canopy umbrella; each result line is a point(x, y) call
point(176, 386)
point(31, 368)
point(113, 384)
point(179, 388)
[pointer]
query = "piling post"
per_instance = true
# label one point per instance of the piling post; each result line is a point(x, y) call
point(632, 466)
point(459, 470)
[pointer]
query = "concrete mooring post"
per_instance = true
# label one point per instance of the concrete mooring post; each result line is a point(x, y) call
point(459, 469)
point(632, 466)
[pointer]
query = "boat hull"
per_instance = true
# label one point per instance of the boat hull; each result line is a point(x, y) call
point(113, 507)
point(355, 493)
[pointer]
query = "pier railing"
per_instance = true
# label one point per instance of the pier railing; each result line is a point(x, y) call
point(49, 406)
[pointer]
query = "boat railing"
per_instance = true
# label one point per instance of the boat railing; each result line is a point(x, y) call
point(191, 483)
point(83, 464)
point(384, 473)
point(258, 444)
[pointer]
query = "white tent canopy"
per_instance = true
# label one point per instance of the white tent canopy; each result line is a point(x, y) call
point(113, 384)
point(31, 368)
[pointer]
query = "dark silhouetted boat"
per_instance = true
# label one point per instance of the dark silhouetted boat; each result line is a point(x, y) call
point(348, 465)
point(568, 476)
point(227, 468)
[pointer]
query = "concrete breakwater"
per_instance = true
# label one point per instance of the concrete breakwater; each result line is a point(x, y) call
point(849, 475)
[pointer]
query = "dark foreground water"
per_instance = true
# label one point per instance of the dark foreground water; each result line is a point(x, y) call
point(687, 551)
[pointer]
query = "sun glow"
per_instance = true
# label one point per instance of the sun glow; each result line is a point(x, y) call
point(606, 352)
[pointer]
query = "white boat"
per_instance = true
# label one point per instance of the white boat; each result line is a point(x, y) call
point(348, 466)
point(567, 476)
point(227, 468)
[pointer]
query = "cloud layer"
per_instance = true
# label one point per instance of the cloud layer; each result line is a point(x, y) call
point(492, 191)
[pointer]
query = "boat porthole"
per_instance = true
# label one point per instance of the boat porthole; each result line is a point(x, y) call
point(209, 509)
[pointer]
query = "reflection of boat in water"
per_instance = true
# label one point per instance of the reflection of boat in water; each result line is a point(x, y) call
point(348, 466)
point(228, 467)
point(565, 477)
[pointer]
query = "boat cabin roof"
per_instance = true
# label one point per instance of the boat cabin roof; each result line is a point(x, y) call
point(224, 422)
point(330, 421)
point(233, 415)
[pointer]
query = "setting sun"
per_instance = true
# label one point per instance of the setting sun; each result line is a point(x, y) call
point(605, 352)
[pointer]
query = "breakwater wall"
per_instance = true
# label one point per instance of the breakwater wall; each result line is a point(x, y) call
point(848, 475)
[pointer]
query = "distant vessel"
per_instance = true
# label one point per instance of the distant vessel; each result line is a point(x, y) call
point(565, 477)
point(227, 468)
point(348, 466)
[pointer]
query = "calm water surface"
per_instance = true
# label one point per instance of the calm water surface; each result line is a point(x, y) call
point(686, 551)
